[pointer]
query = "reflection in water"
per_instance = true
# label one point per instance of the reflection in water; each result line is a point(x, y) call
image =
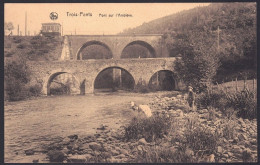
point(32, 123)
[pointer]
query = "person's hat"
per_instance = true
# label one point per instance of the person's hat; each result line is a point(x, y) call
point(190, 87)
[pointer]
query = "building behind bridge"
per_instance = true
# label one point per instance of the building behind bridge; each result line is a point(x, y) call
point(53, 29)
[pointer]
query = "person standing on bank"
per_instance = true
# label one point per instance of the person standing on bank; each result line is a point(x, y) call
point(191, 97)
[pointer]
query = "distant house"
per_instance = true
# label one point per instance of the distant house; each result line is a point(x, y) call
point(53, 29)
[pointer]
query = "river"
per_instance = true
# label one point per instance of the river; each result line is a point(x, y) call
point(31, 123)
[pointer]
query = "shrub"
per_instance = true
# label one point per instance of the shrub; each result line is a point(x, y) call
point(17, 40)
point(148, 128)
point(17, 75)
point(212, 114)
point(60, 90)
point(244, 102)
point(211, 98)
point(35, 90)
point(246, 156)
point(201, 140)
point(141, 88)
point(20, 46)
point(8, 54)
point(16, 90)
point(158, 154)
point(227, 129)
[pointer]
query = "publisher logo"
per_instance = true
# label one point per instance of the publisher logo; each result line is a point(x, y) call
point(53, 16)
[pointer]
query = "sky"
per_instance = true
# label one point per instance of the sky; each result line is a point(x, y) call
point(97, 24)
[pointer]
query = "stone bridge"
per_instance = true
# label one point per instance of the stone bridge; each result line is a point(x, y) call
point(86, 71)
point(117, 43)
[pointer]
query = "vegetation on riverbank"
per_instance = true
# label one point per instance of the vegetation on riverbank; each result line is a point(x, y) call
point(19, 50)
point(171, 135)
point(16, 84)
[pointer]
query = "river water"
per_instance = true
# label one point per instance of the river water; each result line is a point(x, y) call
point(31, 123)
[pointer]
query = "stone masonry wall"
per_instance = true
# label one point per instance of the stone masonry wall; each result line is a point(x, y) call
point(117, 43)
point(86, 71)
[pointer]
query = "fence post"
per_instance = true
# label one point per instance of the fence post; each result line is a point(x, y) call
point(236, 85)
point(245, 84)
point(253, 84)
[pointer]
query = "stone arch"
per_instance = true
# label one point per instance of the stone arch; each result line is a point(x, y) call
point(148, 46)
point(93, 42)
point(111, 67)
point(48, 79)
point(171, 78)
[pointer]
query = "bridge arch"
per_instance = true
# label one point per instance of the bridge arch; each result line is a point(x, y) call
point(144, 44)
point(93, 42)
point(163, 79)
point(49, 78)
point(127, 79)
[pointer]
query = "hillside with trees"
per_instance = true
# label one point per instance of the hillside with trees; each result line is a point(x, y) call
point(219, 38)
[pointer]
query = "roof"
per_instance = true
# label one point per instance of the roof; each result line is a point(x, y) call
point(51, 24)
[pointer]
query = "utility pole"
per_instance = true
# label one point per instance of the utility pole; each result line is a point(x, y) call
point(18, 30)
point(25, 28)
point(197, 15)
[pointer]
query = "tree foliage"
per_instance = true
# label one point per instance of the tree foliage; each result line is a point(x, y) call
point(17, 75)
point(195, 32)
point(197, 67)
point(9, 26)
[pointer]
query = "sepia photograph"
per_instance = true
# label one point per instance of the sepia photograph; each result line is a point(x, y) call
point(130, 82)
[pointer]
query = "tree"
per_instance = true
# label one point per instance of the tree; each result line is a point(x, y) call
point(16, 77)
point(9, 26)
point(199, 61)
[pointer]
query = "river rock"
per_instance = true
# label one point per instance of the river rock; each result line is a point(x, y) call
point(120, 156)
point(180, 113)
point(219, 149)
point(189, 152)
point(139, 148)
point(95, 146)
point(78, 158)
point(29, 152)
point(114, 152)
point(35, 161)
point(84, 146)
point(142, 141)
point(242, 137)
point(106, 155)
point(123, 151)
point(56, 156)
point(66, 141)
point(253, 142)
point(73, 137)
point(225, 155)
point(73, 146)
point(173, 149)
point(203, 111)
point(65, 150)
point(230, 154)
point(254, 147)
point(102, 127)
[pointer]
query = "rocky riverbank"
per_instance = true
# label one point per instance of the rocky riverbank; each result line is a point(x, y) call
point(233, 140)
